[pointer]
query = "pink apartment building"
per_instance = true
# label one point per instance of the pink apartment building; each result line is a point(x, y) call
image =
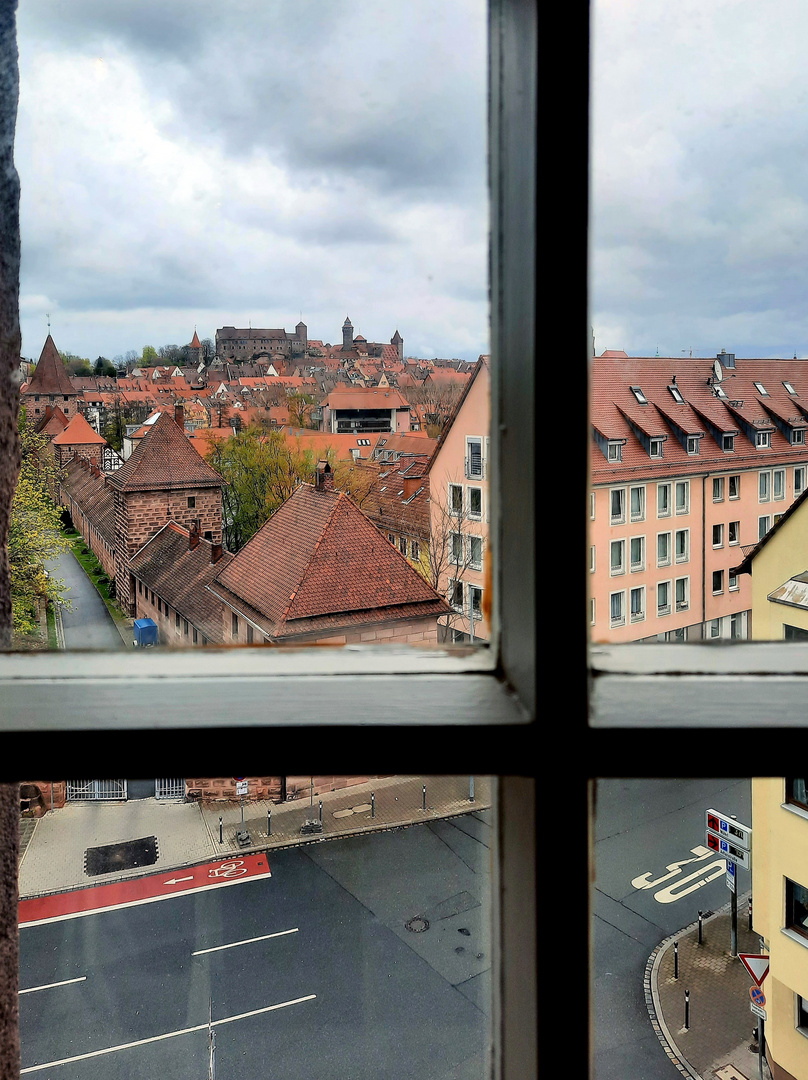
point(692, 462)
point(460, 510)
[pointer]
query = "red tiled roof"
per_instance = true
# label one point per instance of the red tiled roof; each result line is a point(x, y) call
point(93, 496)
point(165, 459)
point(319, 557)
point(744, 410)
point(179, 575)
point(371, 397)
point(50, 375)
point(52, 422)
point(195, 342)
point(78, 433)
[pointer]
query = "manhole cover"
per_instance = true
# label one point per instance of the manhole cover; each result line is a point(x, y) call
point(123, 856)
point(417, 925)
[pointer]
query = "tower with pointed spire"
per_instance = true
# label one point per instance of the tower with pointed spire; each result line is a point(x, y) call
point(347, 335)
point(50, 385)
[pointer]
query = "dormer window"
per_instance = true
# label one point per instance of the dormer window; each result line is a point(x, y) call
point(762, 439)
point(761, 389)
point(655, 448)
point(639, 395)
point(615, 451)
point(789, 387)
point(798, 436)
point(728, 444)
point(692, 444)
point(676, 393)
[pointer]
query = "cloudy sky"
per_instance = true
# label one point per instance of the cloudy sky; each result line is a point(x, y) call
point(192, 163)
point(699, 227)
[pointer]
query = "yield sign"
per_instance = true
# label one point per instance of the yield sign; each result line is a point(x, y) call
point(756, 964)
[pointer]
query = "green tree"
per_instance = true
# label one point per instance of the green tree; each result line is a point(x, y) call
point(102, 366)
point(300, 406)
point(34, 536)
point(262, 470)
point(149, 357)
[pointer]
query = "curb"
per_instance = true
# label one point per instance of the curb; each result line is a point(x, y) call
point(255, 849)
point(652, 995)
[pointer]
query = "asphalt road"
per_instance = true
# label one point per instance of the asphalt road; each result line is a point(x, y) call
point(643, 827)
point(88, 625)
point(344, 990)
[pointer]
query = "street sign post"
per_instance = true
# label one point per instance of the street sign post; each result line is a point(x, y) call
point(731, 875)
point(757, 964)
point(734, 841)
point(727, 827)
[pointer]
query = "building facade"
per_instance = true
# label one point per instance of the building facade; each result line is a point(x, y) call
point(692, 462)
point(780, 916)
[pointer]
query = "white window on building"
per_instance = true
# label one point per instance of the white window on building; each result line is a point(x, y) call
point(799, 480)
point(682, 496)
point(475, 497)
point(617, 561)
point(761, 389)
point(655, 448)
point(591, 504)
point(718, 582)
point(639, 395)
point(614, 451)
point(734, 532)
point(456, 499)
point(637, 499)
point(764, 524)
point(779, 483)
point(617, 497)
point(682, 593)
point(592, 611)
point(763, 439)
point(682, 545)
point(474, 458)
point(475, 552)
point(692, 444)
point(663, 549)
point(764, 486)
point(718, 536)
point(637, 554)
point(798, 436)
point(663, 500)
point(728, 444)
point(456, 548)
point(617, 610)
point(735, 486)
point(592, 559)
point(455, 596)
point(475, 602)
point(715, 628)
point(732, 582)
point(663, 598)
point(718, 489)
point(637, 601)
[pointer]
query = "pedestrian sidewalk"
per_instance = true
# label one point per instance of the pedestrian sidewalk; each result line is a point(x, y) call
point(53, 848)
point(718, 1042)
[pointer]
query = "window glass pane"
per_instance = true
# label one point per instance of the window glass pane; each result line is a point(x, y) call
point(226, 421)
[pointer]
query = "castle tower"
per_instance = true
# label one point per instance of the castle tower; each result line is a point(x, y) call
point(398, 341)
point(195, 350)
point(347, 335)
point(50, 385)
point(165, 479)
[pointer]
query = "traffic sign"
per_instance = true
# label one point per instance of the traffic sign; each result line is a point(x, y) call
point(740, 836)
point(757, 995)
point(242, 787)
point(757, 964)
point(730, 852)
point(731, 875)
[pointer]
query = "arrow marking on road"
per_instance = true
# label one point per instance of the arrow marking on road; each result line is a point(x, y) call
point(248, 941)
point(167, 1035)
point(177, 880)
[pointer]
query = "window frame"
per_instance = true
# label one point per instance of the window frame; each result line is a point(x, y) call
point(492, 687)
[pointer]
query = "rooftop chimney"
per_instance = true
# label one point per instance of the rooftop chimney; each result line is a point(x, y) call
point(215, 553)
point(179, 414)
point(324, 478)
point(193, 536)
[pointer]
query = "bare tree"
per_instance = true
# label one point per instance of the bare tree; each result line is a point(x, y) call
point(452, 550)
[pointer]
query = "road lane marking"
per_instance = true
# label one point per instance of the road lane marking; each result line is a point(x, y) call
point(177, 880)
point(675, 868)
point(49, 986)
point(167, 1035)
point(247, 941)
point(676, 892)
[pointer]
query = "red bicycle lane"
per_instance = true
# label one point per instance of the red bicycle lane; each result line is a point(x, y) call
point(234, 870)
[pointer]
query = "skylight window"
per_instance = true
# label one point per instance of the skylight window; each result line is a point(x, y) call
point(789, 387)
point(720, 392)
point(676, 393)
point(761, 389)
point(639, 395)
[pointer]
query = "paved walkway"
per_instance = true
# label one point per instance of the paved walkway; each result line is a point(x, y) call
point(717, 1043)
point(52, 853)
point(88, 625)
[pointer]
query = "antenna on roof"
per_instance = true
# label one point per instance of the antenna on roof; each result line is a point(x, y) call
point(47, 316)
point(657, 350)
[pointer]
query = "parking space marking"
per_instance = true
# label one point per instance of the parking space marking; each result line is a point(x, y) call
point(167, 1035)
point(247, 941)
point(49, 986)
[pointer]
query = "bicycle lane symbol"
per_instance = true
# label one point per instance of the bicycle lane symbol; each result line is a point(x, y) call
point(228, 869)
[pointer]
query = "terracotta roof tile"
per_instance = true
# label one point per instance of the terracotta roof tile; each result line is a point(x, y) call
point(165, 459)
point(78, 433)
point(50, 375)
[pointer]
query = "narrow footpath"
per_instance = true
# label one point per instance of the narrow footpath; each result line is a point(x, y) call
point(88, 625)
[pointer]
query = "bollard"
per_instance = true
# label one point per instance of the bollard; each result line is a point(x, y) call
point(372, 805)
point(687, 1009)
point(471, 789)
point(321, 811)
point(269, 821)
point(220, 829)
point(701, 939)
point(676, 959)
point(423, 800)
point(750, 912)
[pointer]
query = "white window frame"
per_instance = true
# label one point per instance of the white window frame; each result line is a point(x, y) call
point(667, 486)
point(636, 565)
point(685, 509)
point(614, 451)
point(454, 512)
point(762, 531)
point(667, 561)
point(763, 440)
point(719, 591)
point(618, 519)
point(734, 527)
point(474, 440)
point(728, 444)
point(639, 616)
point(693, 445)
point(656, 448)
point(764, 486)
point(798, 436)
point(58, 694)
point(685, 555)
point(473, 515)
point(474, 564)
point(638, 515)
point(592, 560)
point(737, 478)
point(684, 603)
point(663, 610)
point(718, 486)
point(799, 480)
point(718, 535)
point(617, 569)
point(619, 619)
point(781, 475)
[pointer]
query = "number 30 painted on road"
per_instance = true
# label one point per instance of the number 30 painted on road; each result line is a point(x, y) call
point(698, 877)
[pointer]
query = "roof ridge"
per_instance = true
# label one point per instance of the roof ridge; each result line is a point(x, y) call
point(314, 549)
